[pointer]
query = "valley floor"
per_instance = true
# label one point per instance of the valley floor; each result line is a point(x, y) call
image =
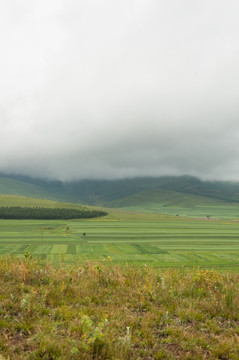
point(161, 241)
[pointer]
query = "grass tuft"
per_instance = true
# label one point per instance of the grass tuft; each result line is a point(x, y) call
point(105, 311)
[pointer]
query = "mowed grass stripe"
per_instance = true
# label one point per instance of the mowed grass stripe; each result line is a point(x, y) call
point(7, 249)
point(129, 249)
point(159, 236)
point(59, 249)
point(113, 249)
point(83, 248)
point(71, 249)
point(190, 242)
point(100, 249)
point(19, 250)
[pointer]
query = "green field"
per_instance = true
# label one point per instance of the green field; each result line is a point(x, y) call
point(163, 242)
point(157, 308)
point(24, 201)
point(173, 203)
point(127, 237)
point(223, 211)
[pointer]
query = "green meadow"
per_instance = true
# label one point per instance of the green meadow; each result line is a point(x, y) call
point(221, 211)
point(65, 295)
point(164, 242)
point(174, 203)
point(123, 237)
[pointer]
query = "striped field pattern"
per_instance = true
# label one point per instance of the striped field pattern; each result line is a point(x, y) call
point(162, 243)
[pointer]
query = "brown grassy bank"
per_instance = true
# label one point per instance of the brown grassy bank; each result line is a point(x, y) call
point(97, 311)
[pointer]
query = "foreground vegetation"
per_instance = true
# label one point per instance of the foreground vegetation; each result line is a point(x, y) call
point(101, 311)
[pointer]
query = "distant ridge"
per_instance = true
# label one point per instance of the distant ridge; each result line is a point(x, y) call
point(123, 193)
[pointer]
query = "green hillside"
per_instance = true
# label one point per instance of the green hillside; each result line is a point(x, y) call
point(20, 207)
point(184, 195)
point(23, 201)
point(16, 187)
point(166, 198)
point(179, 204)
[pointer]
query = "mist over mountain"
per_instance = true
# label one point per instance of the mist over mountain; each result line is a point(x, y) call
point(120, 193)
point(119, 89)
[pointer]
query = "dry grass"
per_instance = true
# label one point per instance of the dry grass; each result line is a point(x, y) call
point(100, 311)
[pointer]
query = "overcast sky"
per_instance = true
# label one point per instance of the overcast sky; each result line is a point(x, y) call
point(119, 88)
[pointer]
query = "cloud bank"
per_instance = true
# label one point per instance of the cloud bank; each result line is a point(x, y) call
point(119, 88)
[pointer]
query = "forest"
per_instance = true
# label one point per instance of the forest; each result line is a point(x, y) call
point(17, 212)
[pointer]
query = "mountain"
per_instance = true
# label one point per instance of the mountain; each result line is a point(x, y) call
point(168, 190)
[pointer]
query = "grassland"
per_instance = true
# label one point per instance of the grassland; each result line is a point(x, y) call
point(223, 211)
point(64, 293)
point(127, 237)
point(102, 312)
point(174, 203)
point(164, 242)
point(24, 201)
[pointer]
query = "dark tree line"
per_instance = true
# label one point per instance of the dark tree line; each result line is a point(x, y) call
point(48, 213)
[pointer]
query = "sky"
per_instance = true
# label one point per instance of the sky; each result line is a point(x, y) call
point(110, 89)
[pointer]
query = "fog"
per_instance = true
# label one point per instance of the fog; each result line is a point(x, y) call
point(112, 89)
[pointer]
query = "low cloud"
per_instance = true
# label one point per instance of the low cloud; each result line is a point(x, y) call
point(114, 89)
